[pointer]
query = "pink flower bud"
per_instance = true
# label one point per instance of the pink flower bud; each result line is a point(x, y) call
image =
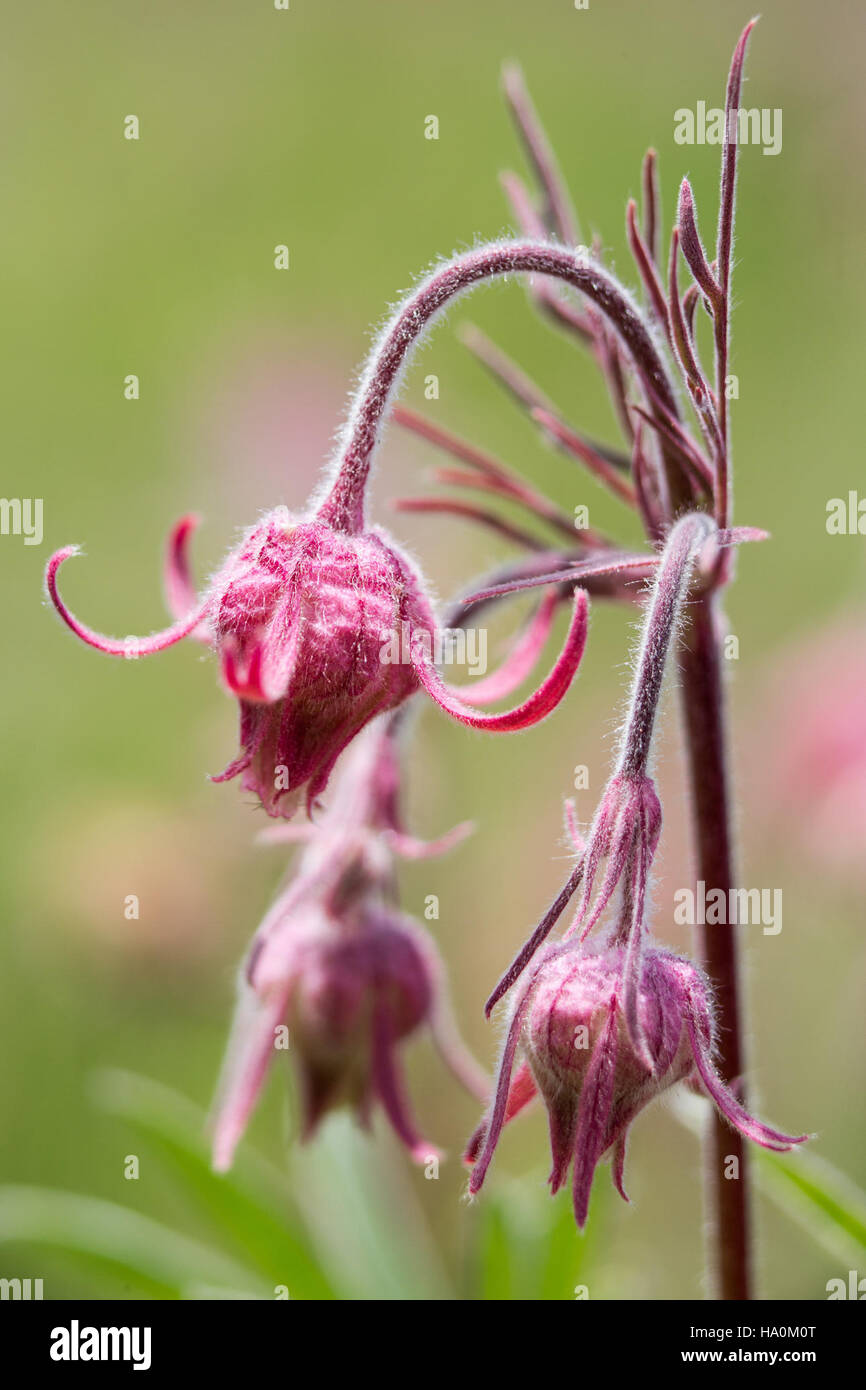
point(357, 995)
point(338, 972)
point(570, 1029)
point(300, 615)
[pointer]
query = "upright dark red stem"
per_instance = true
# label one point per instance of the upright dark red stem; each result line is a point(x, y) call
point(703, 703)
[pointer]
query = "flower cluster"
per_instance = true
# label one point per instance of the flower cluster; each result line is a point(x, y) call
point(302, 614)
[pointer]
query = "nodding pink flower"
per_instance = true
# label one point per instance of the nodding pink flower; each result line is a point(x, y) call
point(625, 832)
point(301, 616)
point(568, 1027)
point(338, 974)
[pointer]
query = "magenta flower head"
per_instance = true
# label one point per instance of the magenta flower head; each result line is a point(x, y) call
point(298, 616)
point(349, 988)
point(567, 1025)
point(340, 977)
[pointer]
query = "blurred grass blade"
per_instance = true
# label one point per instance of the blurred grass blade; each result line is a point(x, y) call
point(495, 1254)
point(167, 1264)
point(244, 1206)
point(571, 1254)
point(821, 1199)
point(530, 1248)
point(364, 1216)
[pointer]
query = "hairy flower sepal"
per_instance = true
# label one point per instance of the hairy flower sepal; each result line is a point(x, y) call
point(623, 837)
point(568, 1028)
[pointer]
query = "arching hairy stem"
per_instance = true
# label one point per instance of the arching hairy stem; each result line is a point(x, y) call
point(343, 506)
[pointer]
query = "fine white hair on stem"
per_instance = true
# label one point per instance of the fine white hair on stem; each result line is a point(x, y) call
point(411, 320)
point(659, 632)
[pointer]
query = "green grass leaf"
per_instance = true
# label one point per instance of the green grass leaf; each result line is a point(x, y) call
point(824, 1201)
point(530, 1248)
point(157, 1259)
point(248, 1207)
point(365, 1217)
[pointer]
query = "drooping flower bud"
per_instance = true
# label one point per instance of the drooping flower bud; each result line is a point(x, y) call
point(300, 609)
point(340, 973)
point(568, 1027)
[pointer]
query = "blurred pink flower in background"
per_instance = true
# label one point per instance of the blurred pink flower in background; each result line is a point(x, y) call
point(263, 419)
point(141, 877)
point(811, 731)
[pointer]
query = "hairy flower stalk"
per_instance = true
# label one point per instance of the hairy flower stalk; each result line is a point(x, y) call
point(343, 507)
point(337, 974)
point(703, 701)
point(627, 825)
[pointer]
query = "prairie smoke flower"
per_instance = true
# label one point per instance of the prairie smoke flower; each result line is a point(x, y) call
point(568, 1029)
point(300, 615)
point(810, 737)
point(339, 971)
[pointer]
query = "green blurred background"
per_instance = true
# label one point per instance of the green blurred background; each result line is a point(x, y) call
point(155, 257)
